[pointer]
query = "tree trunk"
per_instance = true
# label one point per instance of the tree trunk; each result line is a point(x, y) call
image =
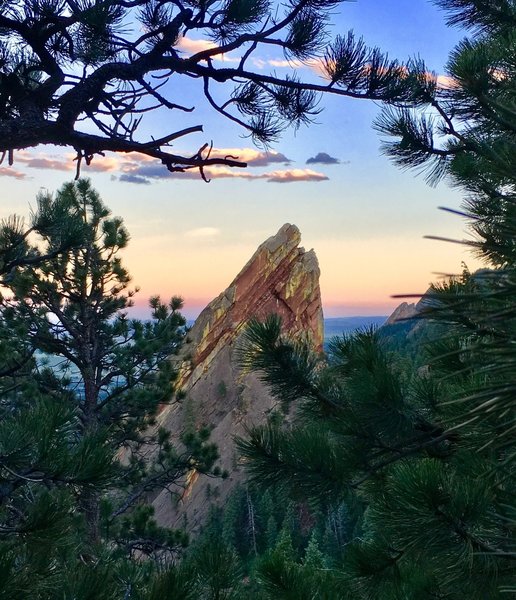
point(90, 505)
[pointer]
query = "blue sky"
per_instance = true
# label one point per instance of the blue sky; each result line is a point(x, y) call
point(364, 217)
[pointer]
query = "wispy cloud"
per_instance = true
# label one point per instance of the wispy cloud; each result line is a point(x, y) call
point(285, 63)
point(11, 172)
point(156, 172)
point(318, 66)
point(278, 63)
point(141, 170)
point(129, 163)
point(253, 157)
point(446, 82)
point(124, 164)
point(322, 158)
point(42, 161)
point(202, 232)
point(291, 175)
point(99, 164)
point(148, 171)
point(191, 46)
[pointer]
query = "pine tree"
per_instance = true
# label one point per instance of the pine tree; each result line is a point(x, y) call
point(78, 453)
point(466, 132)
point(433, 510)
point(314, 558)
point(429, 454)
point(214, 560)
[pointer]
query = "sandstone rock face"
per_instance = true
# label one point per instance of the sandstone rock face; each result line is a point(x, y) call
point(280, 278)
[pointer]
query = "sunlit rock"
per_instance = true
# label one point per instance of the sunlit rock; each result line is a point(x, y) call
point(279, 278)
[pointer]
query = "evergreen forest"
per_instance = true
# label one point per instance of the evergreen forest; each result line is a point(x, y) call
point(387, 469)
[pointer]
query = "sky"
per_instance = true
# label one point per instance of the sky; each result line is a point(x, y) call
point(363, 216)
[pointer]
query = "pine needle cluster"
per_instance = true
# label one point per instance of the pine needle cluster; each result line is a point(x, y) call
point(429, 452)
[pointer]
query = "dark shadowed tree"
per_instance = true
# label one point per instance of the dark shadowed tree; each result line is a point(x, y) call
point(432, 505)
point(84, 73)
point(465, 132)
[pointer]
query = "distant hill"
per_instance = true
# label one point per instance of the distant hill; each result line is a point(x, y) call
point(342, 325)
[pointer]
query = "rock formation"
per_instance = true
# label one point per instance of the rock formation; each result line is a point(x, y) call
point(279, 278)
point(403, 312)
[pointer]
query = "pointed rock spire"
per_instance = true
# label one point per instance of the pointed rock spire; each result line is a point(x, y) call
point(279, 278)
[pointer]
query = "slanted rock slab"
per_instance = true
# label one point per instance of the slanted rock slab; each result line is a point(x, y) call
point(280, 278)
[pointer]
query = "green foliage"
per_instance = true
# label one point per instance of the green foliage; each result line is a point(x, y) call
point(176, 582)
point(473, 144)
point(79, 390)
point(282, 575)
point(219, 571)
point(375, 439)
point(314, 558)
point(419, 448)
point(287, 564)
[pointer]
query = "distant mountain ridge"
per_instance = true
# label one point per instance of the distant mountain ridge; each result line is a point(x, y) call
point(342, 325)
point(403, 312)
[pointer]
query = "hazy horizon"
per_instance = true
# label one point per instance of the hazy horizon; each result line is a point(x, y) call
point(192, 309)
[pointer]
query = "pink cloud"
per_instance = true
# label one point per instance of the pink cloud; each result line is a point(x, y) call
point(141, 169)
point(43, 161)
point(209, 172)
point(446, 82)
point(291, 175)
point(318, 66)
point(10, 172)
point(221, 172)
point(133, 160)
point(278, 176)
point(144, 166)
point(191, 46)
point(47, 163)
point(101, 164)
